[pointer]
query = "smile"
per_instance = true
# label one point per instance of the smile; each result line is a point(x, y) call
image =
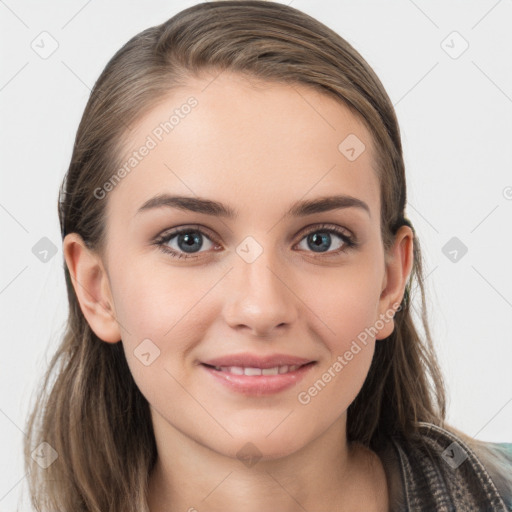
point(239, 370)
point(251, 380)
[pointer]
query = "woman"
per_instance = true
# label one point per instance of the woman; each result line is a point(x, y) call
point(240, 271)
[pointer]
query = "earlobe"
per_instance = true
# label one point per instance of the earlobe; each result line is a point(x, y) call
point(92, 288)
point(399, 262)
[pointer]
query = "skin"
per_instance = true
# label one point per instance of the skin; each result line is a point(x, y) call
point(258, 148)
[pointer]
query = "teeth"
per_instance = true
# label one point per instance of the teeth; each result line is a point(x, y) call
point(276, 370)
point(252, 371)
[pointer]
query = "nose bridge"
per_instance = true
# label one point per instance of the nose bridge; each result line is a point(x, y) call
point(259, 297)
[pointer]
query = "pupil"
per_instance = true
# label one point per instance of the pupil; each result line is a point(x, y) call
point(189, 241)
point(317, 241)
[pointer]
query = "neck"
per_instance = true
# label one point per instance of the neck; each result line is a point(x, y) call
point(190, 476)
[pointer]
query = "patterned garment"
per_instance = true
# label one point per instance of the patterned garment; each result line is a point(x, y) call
point(439, 472)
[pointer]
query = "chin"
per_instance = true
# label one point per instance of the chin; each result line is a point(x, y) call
point(255, 447)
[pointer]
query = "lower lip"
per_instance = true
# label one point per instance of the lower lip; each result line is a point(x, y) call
point(259, 384)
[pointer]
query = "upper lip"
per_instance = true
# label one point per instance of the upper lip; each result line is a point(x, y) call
point(255, 361)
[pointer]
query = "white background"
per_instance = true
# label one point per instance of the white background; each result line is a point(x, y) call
point(456, 121)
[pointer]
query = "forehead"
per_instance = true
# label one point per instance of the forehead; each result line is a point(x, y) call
point(245, 142)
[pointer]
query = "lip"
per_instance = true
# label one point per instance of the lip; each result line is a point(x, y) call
point(257, 385)
point(255, 361)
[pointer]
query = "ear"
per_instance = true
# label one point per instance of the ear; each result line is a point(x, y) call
point(398, 262)
point(92, 288)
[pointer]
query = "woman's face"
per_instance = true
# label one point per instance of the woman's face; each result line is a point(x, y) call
point(279, 276)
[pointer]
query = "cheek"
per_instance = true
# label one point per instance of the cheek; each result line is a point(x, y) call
point(346, 301)
point(161, 331)
point(163, 314)
point(154, 301)
point(173, 309)
point(350, 343)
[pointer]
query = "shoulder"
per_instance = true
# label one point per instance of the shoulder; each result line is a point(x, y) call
point(503, 448)
point(497, 459)
point(444, 471)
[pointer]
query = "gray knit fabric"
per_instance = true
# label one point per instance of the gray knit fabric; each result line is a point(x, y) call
point(440, 473)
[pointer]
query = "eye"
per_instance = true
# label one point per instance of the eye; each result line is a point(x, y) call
point(185, 242)
point(320, 239)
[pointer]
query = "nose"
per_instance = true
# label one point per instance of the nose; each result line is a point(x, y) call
point(260, 298)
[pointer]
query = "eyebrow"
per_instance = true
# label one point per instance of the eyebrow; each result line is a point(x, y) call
point(209, 207)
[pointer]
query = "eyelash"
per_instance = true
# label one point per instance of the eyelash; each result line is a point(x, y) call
point(349, 242)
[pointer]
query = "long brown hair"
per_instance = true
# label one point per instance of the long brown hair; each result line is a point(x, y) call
point(89, 409)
